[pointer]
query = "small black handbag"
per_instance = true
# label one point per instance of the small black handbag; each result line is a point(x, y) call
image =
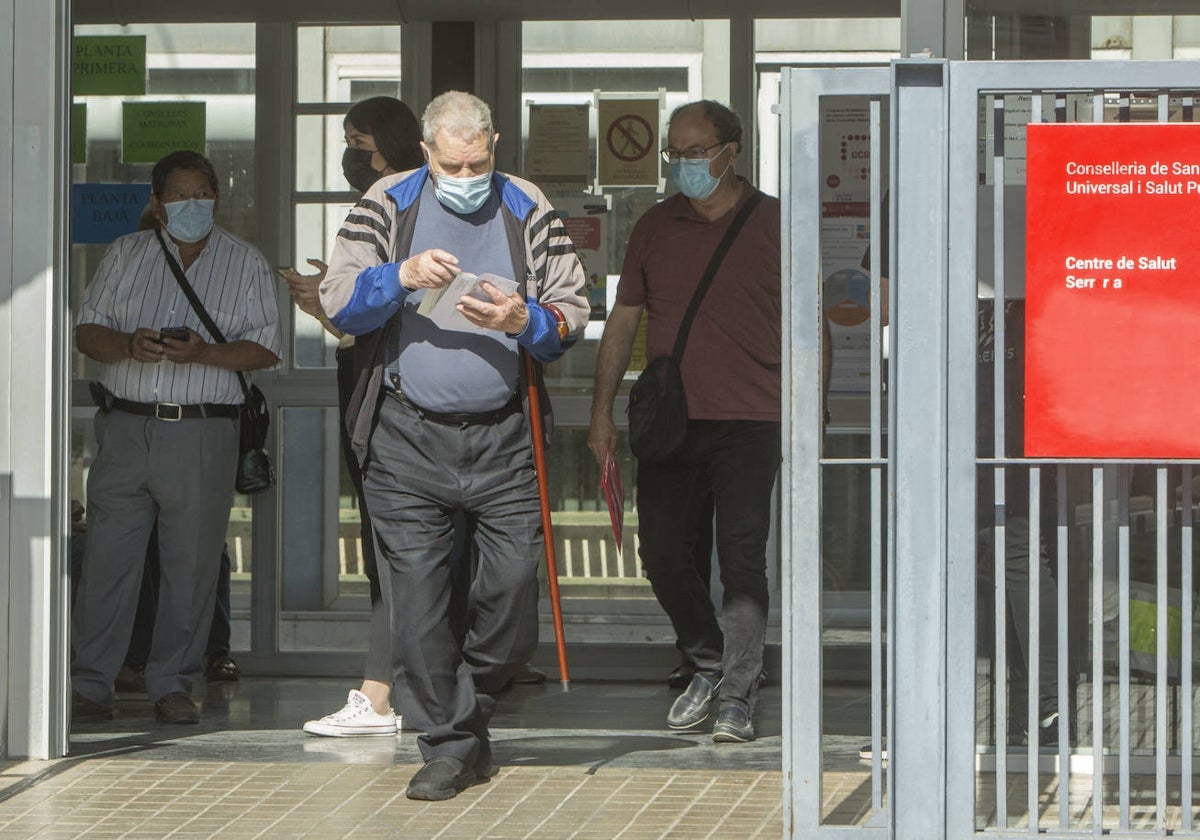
point(658, 412)
point(254, 471)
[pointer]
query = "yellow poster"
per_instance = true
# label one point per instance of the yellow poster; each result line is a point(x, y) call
point(557, 153)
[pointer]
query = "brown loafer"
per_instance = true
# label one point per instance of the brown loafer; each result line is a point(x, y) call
point(85, 710)
point(130, 680)
point(177, 707)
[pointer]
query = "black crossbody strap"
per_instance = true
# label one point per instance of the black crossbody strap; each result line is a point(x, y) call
point(718, 257)
point(197, 306)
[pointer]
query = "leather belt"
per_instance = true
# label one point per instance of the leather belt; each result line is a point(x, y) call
point(460, 419)
point(173, 411)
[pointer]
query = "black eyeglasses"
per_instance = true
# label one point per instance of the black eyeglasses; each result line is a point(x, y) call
point(670, 155)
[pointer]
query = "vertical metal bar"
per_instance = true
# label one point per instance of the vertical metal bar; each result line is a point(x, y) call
point(1097, 651)
point(877, 250)
point(1164, 107)
point(1065, 712)
point(921, 464)
point(1124, 476)
point(1033, 652)
point(1185, 649)
point(877, 272)
point(999, 552)
point(1034, 646)
point(1098, 106)
point(1162, 637)
point(964, 795)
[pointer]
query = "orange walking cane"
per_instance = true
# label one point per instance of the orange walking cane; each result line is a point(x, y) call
point(539, 462)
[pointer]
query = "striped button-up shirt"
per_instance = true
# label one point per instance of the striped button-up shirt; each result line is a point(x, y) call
point(134, 287)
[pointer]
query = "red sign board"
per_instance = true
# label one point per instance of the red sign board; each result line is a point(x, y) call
point(1112, 366)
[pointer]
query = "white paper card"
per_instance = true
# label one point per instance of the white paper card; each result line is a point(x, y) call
point(438, 305)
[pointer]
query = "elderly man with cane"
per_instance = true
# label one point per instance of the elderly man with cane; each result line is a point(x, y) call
point(439, 418)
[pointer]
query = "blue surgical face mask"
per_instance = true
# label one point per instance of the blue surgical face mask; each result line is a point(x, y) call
point(463, 195)
point(190, 220)
point(693, 178)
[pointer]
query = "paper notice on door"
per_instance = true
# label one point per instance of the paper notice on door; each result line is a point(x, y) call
point(439, 305)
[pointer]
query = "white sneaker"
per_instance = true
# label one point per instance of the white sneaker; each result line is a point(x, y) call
point(357, 717)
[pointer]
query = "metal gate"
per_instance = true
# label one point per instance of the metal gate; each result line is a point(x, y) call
point(1006, 683)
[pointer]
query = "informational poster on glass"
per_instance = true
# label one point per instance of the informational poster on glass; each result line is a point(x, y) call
point(109, 65)
point(1112, 304)
point(1015, 110)
point(845, 230)
point(557, 152)
point(627, 142)
point(102, 212)
point(150, 130)
point(845, 157)
point(586, 218)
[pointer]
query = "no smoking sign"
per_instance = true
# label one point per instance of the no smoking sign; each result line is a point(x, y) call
point(630, 137)
point(628, 142)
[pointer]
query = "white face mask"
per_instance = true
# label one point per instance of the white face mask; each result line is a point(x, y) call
point(463, 195)
point(190, 220)
point(693, 178)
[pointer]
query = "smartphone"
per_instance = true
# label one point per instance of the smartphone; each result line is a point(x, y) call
point(177, 333)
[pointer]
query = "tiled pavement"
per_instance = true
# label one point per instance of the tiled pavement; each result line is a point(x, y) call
point(147, 798)
point(600, 765)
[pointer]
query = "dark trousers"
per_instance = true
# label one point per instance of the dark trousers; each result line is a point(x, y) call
point(737, 462)
point(419, 474)
point(379, 641)
point(143, 622)
point(380, 665)
point(1018, 566)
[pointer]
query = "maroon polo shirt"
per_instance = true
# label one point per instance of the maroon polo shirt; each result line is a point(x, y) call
point(731, 366)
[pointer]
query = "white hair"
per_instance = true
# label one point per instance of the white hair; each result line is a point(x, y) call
point(458, 114)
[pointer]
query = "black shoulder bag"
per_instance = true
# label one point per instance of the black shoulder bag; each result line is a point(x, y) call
point(658, 413)
point(254, 471)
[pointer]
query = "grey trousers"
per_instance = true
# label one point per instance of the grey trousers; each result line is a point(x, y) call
point(181, 475)
point(419, 474)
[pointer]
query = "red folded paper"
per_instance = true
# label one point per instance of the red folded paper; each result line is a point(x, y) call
point(614, 494)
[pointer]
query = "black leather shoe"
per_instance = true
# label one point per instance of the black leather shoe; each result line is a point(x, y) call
point(733, 725)
point(83, 709)
point(222, 669)
point(441, 778)
point(681, 677)
point(177, 707)
point(691, 707)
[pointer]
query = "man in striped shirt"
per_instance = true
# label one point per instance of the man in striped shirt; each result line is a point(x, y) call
point(167, 433)
point(438, 416)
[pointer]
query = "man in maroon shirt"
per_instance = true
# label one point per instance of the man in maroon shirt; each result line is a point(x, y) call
point(731, 375)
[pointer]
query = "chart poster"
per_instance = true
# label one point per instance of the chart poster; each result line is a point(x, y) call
point(102, 212)
point(628, 142)
point(1113, 298)
point(109, 65)
point(846, 300)
point(557, 152)
point(150, 130)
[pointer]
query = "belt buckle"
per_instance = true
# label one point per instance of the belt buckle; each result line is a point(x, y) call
point(178, 412)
